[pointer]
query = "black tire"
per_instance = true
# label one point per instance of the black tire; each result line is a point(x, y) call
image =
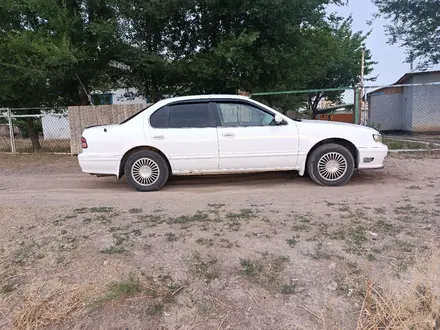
point(323, 155)
point(153, 164)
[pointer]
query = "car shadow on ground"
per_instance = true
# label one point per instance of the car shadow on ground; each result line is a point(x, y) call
point(270, 179)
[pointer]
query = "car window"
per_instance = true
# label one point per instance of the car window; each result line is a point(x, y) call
point(238, 114)
point(190, 115)
point(159, 119)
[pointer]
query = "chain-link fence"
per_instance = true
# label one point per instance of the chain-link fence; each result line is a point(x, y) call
point(34, 129)
point(408, 115)
point(5, 135)
point(331, 104)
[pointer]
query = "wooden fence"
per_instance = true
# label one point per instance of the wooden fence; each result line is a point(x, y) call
point(85, 116)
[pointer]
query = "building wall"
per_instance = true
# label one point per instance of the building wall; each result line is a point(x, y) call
point(426, 108)
point(339, 117)
point(127, 96)
point(118, 96)
point(385, 109)
point(429, 77)
point(407, 108)
point(411, 108)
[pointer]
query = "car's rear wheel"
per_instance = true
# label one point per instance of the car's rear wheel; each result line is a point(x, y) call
point(331, 165)
point(146, 170)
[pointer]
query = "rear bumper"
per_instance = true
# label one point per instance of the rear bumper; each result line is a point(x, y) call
point(372, 158)
point(99, 165)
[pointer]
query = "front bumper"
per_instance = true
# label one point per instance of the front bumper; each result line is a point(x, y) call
point(372, 158)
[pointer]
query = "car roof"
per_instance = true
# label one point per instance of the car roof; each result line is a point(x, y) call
point(204, 97)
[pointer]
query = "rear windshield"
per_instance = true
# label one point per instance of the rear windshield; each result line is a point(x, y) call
point(137, 113)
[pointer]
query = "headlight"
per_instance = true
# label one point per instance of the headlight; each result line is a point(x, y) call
point(378, 138)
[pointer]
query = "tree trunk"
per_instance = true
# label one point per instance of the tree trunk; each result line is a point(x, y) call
point(313, 102)
point(83, 98)
point(32, 134)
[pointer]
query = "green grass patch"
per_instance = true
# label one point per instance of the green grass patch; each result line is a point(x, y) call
point(114, 250)
point(171, 237)
point(291, 241)
point(101, 209)
point(400, 145)
point(155, 309)
point(185, 219)
point(289, 288)
point(243, 214)
point(123, 289)
point(265, 271)
point(135, 211)
point(206, 268)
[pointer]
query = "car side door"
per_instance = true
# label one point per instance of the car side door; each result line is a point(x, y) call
point(186, 133)
point(249, 138)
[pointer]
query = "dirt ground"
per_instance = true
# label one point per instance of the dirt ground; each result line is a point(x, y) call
point(265, 251)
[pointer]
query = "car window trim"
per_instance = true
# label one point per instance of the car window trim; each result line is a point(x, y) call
point(217, 108)
point(212, 119)
point(168, 117)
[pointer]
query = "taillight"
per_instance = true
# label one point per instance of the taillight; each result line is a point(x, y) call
point(84, 143)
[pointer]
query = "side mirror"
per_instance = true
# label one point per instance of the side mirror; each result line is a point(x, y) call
point(278, 119)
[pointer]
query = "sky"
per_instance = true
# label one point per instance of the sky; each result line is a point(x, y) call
point(391, 58)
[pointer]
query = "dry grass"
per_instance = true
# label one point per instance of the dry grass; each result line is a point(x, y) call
point(47, 305)
point(53, 304)
point(412, 304)
point(25, 145)
point(157, 292)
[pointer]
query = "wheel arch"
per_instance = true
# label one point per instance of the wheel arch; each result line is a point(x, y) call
point(343, 142)
point(132, 151)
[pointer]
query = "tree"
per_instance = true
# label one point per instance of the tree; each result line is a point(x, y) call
point(47, 46)
point(52, 52)
point(415, 25)
point(340, 56)
point(211, 46)
point(155, 35)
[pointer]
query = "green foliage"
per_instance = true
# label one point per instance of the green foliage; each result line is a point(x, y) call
point(22, 125)
point(46, 44)
point(414, 25)
point(174, 47)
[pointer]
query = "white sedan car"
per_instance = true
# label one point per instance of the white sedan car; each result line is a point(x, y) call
point(224, 134)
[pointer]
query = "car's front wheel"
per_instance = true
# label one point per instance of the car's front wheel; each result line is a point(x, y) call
point(146, 170)
point(331, 165)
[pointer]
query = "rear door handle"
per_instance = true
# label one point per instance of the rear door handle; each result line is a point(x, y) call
point(228, 135)
point(158, 137)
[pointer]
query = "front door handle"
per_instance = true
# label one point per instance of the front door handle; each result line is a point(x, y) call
point(158, 137)
point(228, 135)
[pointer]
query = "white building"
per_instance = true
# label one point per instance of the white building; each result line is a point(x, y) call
point(55, 126)
point(118, 96)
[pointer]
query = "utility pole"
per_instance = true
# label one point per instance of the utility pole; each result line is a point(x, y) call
point(359, 119)
point(363, 66)
point(362, 92)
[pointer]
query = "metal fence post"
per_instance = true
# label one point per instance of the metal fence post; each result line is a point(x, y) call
point(356, 105)
point(11, 131)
